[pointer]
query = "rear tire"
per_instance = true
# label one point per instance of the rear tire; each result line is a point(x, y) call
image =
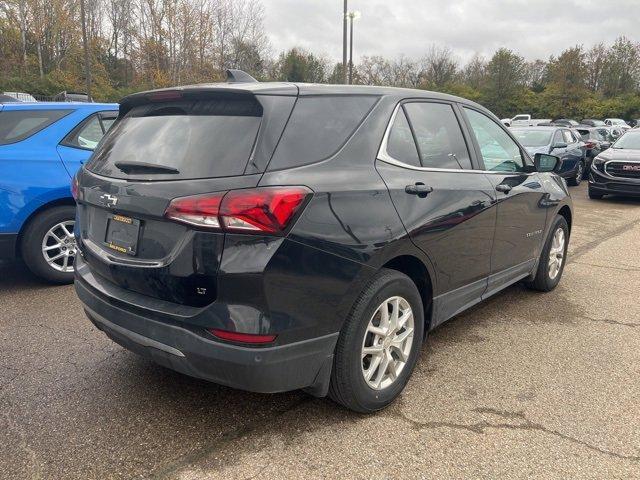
point(575, 181)
point(553, 257)
point(39, 236)
point(395, 293)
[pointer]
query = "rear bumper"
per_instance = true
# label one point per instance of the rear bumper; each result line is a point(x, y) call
point(8, 242)
point(190, 350)
point(607, 185)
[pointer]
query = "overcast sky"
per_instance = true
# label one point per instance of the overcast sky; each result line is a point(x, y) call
point(533, 28)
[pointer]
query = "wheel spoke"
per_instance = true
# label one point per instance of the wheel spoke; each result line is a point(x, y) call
point(372, 350)
point(403, 357)
point(66, 231)
point(381, 371)
point(400, 338)
point(372, 367)
point(52, 247)
point(65, 262)
point(56, 257)
point(376, 330)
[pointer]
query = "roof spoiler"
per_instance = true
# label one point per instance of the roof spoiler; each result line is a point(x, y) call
point(238, 76)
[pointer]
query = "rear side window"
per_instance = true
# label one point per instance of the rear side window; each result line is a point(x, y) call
point(319, 126)
point(568, 137)
point(400, 144)
point(198, 138)
point(88, 134)
point(17, 125)
point(438, 136)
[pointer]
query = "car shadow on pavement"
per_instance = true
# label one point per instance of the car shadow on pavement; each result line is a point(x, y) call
point(15, 275)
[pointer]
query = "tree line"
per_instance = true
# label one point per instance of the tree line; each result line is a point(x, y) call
point(141, 44)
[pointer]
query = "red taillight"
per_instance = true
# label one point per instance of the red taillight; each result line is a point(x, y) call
point(74, 187)
point(249, 338)
point(258, 210)
point(590, 144)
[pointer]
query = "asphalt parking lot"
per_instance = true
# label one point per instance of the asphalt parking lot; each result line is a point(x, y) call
point(524, 385)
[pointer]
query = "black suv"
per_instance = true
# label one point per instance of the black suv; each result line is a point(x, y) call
point(277, 236)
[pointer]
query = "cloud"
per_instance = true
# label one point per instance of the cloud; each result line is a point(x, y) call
point(533, 28)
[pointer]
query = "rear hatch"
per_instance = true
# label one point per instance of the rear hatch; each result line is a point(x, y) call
point(166, 145)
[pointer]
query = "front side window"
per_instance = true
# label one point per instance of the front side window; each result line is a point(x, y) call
point(499, 152)
point(18, 125)
point(438, 135)
point(533, 138)
point(400, 144)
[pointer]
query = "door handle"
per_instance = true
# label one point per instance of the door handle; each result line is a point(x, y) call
point(419, 189)
point(504, 188)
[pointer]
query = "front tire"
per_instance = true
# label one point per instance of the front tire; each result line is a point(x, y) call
point(48, 247)
point(379, 344)
point(553, 257)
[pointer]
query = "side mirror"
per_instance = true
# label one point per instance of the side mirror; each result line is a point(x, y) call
point(559, 145)
point(546, 163)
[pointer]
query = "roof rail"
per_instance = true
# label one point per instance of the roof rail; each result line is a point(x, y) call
point(238, 76)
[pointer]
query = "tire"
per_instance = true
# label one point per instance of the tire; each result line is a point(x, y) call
point(32, 245)
point(545, 281)
point(575, 181)
point(348, 385)
point(595, 196)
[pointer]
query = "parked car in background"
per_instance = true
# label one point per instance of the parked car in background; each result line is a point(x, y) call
point(42, 145)
point(634, 122)
point(595, 143)
point(617, 170)
point(523, 120)
point(71, 97)
point(616, 131)
point(558, 141)
point(593, 122)
point(616, 122)
point(21, 96)
point(565, 122)
point(8, 99)
point(278, 236)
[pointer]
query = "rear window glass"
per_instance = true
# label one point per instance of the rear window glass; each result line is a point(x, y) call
point(198, 138)
point(319, 126)
point(17, 125)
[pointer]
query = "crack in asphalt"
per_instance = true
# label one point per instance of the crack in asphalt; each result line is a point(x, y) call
point(611, 322)
point(521, 423)
point(608, 267)
point(587, 247)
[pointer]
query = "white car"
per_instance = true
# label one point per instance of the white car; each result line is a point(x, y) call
point(617, 122)
point(524, 120)
point(23, 97)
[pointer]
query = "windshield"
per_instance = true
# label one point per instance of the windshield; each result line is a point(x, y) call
point(618, 121)
point(629, 141)
point(198, 138)
point(533, 138)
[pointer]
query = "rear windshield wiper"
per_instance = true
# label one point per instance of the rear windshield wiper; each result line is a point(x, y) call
point(144, 167)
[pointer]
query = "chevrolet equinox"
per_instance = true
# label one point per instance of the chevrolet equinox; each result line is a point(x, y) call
point(278, 236)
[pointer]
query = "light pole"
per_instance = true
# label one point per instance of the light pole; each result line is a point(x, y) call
point(85, 46)
point(344, 43)
point(352, 16)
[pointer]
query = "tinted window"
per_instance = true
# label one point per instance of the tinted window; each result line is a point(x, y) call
point(18, 125)
point(199, 138)
point(499, 151)
point(400, 144)
point(438, 135)
point(90, 132)
point(319, 126)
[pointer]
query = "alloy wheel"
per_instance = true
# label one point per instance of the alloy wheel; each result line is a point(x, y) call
point(387, 343)
point(59, 246)
point(556, 253)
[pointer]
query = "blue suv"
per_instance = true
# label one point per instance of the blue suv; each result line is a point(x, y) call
point(42, 145)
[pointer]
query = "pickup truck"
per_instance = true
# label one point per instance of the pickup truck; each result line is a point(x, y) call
point(524, 120)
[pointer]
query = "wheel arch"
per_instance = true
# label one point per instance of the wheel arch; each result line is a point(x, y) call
point(418, 272)
point(58, 202)
point(565, 212)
